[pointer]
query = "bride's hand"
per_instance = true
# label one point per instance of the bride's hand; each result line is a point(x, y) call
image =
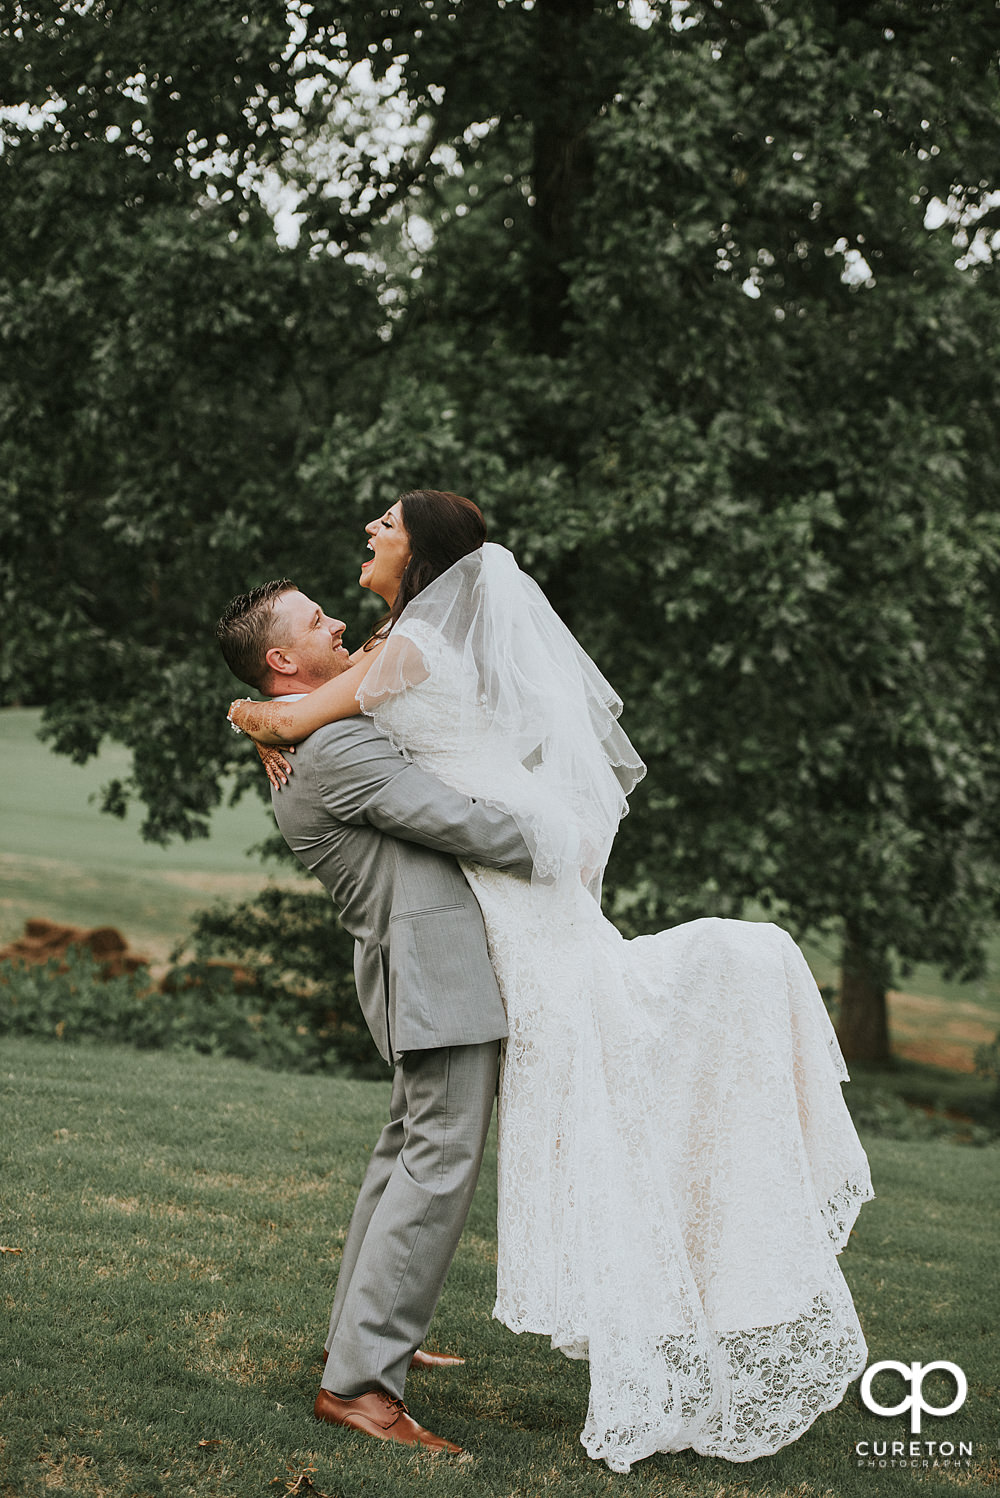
point(245, 716)
point(276, 765)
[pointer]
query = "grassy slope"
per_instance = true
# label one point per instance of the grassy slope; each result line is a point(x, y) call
point(923, 1028)
point(179, 1220)
point(62, 858)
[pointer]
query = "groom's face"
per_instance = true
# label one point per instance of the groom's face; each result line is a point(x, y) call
point(309, 640)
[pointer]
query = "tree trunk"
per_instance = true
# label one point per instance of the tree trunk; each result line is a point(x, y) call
point(563, 163)
point(863, 1024)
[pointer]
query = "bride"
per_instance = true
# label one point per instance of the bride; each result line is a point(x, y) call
point(677, 1168)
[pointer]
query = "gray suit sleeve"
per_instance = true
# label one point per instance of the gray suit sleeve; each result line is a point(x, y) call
point(363, 779)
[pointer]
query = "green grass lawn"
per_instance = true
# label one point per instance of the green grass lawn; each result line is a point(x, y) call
point(179, 1221)
point(64, 859)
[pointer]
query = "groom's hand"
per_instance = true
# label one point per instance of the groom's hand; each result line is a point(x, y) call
point(589, 863)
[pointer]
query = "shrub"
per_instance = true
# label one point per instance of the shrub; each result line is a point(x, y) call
point(70, 999)
point(302, 961)
point(272, 982)
point(988, 1065)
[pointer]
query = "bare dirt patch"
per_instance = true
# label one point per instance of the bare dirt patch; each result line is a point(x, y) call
point(939, 1032)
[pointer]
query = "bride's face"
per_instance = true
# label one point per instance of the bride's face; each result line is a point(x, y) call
point(390, 548)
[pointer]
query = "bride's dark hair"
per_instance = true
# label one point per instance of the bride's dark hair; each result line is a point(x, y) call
point(442, 528)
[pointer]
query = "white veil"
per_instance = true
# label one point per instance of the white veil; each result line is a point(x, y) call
point(514, 670)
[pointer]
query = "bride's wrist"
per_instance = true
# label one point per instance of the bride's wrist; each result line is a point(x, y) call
point(233, 707)
point(264, 722)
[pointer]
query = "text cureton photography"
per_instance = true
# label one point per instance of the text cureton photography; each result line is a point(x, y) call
point(913, 1454)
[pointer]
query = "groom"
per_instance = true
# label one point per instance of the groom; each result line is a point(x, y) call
point(383, 837)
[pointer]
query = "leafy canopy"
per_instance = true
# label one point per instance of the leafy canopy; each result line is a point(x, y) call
point(702, 311)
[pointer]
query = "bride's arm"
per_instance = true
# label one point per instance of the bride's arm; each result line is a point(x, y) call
point(291, 722)
point(371, 647)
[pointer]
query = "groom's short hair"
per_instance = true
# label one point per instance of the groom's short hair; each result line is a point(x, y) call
point(246, 631)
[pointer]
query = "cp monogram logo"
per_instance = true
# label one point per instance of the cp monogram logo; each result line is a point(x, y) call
point(914, 1374)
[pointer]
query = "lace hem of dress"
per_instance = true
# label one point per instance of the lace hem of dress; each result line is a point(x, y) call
point(777, 1379)
point(841, 1212)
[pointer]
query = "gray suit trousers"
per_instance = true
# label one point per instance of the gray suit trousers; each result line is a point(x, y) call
point(409, 1215)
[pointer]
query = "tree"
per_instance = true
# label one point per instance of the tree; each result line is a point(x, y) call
point(841, 610)
point(753, 309)
point(664, 298)
point(164, 366)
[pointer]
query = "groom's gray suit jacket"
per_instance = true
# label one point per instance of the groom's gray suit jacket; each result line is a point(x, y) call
point(383, 836)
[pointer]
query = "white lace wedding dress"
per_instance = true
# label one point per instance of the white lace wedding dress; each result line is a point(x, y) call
point(678, 1170)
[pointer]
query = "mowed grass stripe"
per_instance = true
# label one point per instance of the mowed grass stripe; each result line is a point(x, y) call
point(47, 811)
point(63, 859)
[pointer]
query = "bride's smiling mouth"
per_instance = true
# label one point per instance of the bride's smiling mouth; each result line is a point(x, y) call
point(389, 546)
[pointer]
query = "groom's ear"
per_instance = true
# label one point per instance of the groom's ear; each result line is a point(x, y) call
point(281, 664)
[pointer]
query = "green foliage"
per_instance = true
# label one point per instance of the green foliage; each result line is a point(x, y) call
point(203, 1011)
point(888, 1116)
point(988, 1065)
point(922, 1102)
point(163, 364)
point(303, 964)
point(801, 499)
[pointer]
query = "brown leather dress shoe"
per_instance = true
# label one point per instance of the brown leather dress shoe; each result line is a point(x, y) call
point(379, 1415)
